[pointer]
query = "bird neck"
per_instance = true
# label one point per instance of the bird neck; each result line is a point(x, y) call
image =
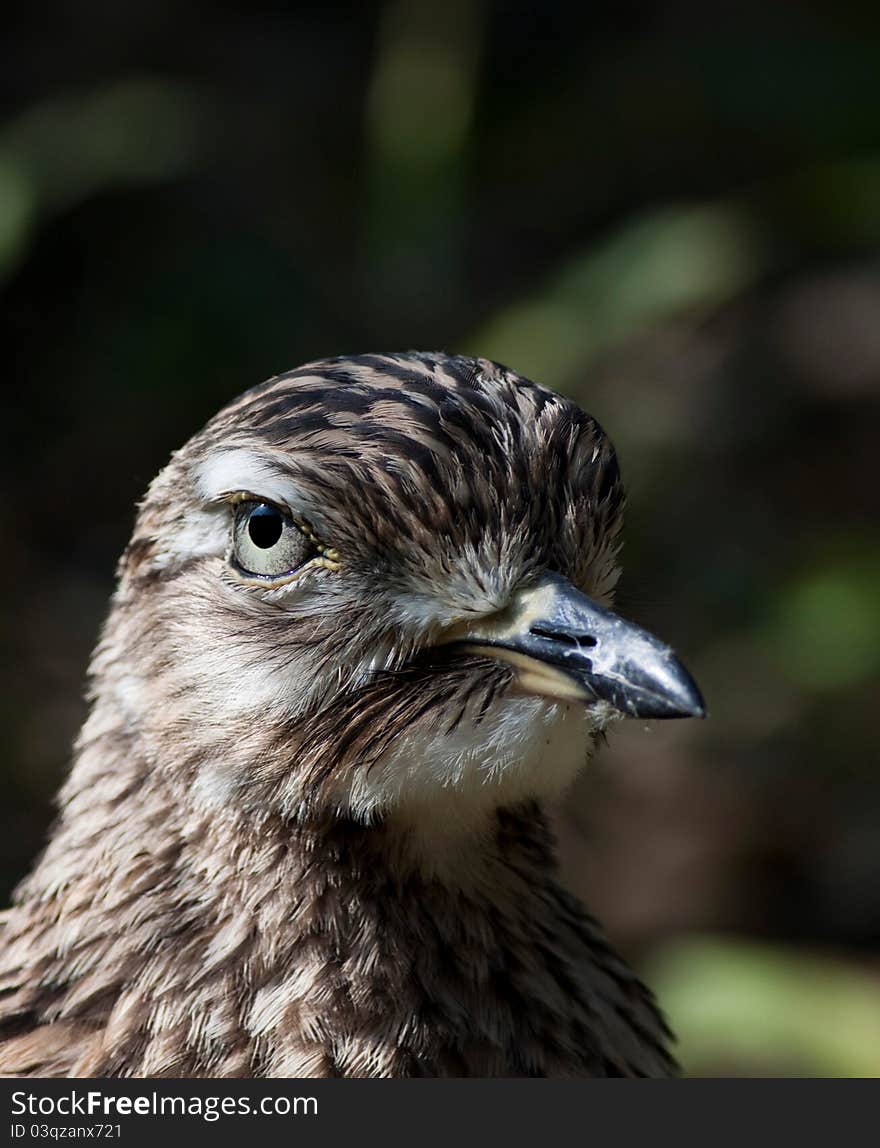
point(165, 934)
point(141, 843)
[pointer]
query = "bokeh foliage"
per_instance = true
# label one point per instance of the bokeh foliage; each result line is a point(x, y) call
point(679, 227)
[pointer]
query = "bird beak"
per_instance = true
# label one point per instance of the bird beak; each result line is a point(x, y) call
point(566, 646)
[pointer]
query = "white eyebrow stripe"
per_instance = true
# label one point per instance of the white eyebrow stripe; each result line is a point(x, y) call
point(230, 471)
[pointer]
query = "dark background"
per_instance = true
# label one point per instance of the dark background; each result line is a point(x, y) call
point(680, 228)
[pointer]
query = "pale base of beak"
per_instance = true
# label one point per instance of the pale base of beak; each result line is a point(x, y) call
point(532, 675)
point(566, 646)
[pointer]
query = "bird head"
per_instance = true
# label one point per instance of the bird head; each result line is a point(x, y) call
point(383, 583)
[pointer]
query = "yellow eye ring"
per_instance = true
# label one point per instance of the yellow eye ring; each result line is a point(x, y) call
point(270, 546)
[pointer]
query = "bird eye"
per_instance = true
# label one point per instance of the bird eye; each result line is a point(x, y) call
point(266, 543)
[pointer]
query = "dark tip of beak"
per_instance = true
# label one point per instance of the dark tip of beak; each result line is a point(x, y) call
point(618, 662)
point(658, 686)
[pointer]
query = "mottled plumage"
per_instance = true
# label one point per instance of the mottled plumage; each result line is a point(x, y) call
point(304, 830)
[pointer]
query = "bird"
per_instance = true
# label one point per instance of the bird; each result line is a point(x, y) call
point(361, 641)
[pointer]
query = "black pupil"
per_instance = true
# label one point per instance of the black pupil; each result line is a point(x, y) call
point(265, 526)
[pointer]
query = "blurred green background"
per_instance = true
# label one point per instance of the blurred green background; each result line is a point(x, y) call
point(679, 226)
